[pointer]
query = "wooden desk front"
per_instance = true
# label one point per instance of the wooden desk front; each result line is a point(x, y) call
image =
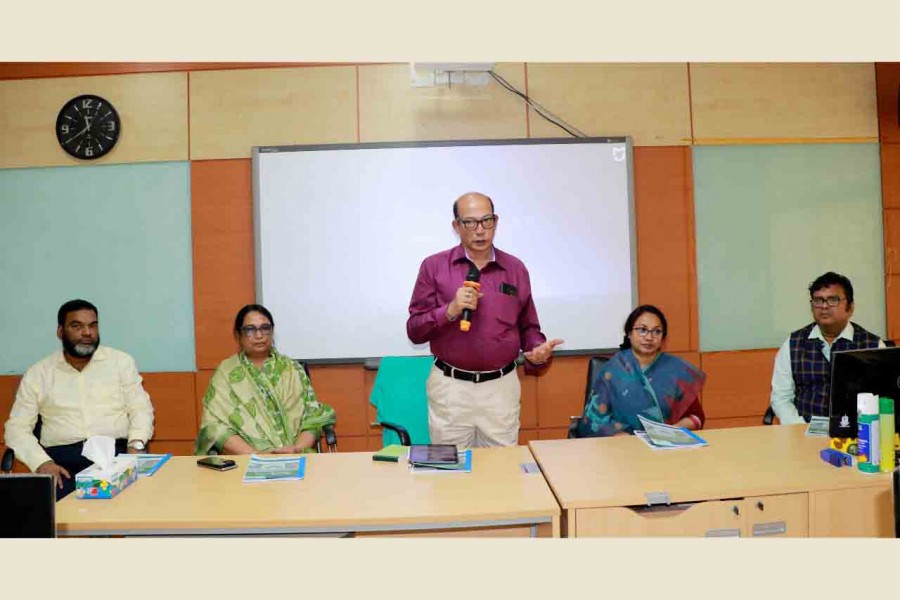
point(748, 481)
point(341, 493)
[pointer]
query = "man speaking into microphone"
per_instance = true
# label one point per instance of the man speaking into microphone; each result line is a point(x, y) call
point(473, 304)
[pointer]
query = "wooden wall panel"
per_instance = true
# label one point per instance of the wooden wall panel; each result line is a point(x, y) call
point(175, 409)
point(664, 209)
point(201, 382)
point(649, 102)
point(892, 305)
point(776, 102)
point(30, 70)
point(8, 386)
point(691, 357)
point(176, 447)
point(343, 388)
point(232, 111)
point(738, 383)
point(528, 417)
point(890, 175)
point(560, 391)
point(733, 422)
point(892, 242)
point(222, 225)
point(887, 77)
point(527, 435)
point(153, 109)
point(553, 433)
point(391, 109)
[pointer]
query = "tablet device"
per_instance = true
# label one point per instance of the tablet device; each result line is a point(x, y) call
point(433, 454)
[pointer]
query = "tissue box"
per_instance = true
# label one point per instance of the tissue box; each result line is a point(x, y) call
point(96, 483)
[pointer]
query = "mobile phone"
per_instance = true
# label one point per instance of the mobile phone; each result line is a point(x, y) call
point(217, 463)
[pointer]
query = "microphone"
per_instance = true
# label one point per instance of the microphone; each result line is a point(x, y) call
point(472, 281)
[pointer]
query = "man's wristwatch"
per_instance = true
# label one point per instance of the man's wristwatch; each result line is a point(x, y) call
point(137, 445)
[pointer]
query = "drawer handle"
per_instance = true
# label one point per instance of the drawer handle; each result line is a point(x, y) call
point(760, 505)
point(773, 528)
point(721, 533)
point(736, 510)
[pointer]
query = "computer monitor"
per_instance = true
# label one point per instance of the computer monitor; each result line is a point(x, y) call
point(27, 506)
point(875, 371)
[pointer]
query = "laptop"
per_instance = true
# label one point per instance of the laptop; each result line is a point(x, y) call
point(875, 371)
point(27, 506)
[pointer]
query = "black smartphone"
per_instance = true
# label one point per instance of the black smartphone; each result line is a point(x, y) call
point(217, 463)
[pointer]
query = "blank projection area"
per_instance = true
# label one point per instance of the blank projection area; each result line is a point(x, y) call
point(342, 230)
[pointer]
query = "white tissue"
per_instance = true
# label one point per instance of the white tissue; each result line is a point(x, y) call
point(101, 450)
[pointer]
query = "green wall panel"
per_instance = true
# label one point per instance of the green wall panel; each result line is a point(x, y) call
point(769, 220)
point(117, 235)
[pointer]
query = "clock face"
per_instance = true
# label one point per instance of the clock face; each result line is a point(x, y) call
point(88, 127)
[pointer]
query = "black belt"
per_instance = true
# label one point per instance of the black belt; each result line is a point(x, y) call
point(473, 376)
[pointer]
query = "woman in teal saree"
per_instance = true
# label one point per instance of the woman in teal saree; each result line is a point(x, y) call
point(640, 379)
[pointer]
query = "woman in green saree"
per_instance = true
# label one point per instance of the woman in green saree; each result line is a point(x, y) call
point(258, 400)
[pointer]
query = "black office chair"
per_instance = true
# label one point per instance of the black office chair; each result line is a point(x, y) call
point(9, 455)
point(594, 364)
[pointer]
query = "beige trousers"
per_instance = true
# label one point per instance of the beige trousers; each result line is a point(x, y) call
point(473, 415)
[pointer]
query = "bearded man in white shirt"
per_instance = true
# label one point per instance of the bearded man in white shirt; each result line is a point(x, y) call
point(801, 380)
point(82, 390)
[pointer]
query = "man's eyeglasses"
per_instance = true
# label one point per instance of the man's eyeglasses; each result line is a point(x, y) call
point(487, 222)
point(820, 302)
point(644, 332)
point(263, 330)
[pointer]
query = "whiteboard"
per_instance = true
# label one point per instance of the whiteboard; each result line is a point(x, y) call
point(341, 230)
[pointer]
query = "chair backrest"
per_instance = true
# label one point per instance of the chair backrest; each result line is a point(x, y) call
point(28, 504)
point(594, 364)
point(399, 396)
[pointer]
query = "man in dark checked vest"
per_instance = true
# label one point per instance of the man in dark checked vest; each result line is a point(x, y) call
point(801, 380)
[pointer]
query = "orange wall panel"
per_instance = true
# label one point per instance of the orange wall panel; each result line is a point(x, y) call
point(738, 383)
point(560, 391)
point(343, 388)
point(8, 386)
point(691, 357)
point(887, 86)
point(528, 417)
point(177, 448)
point(890, 175)
point(553, 433)
point(201, 382)
point(174, 407)
point(892, 241)
point(353, 443)
point(735, 422)
point(527, 435)
point(892, 305)
point(664, 210)
point(222, 224)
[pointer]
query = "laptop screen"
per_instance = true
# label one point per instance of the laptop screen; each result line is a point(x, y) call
point(875, 371)
point(29, 506)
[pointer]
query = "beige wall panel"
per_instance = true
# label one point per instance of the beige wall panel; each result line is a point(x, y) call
point(232, 111)
point(392, 110)
point(777, 102)
point(153, 109)
point(649, 102)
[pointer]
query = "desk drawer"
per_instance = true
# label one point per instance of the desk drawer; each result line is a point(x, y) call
point(718, 518)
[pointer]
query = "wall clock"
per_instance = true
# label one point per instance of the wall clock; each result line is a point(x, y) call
point(88, 127)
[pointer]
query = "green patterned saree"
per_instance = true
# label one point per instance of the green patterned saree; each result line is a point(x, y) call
point(268, 408)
